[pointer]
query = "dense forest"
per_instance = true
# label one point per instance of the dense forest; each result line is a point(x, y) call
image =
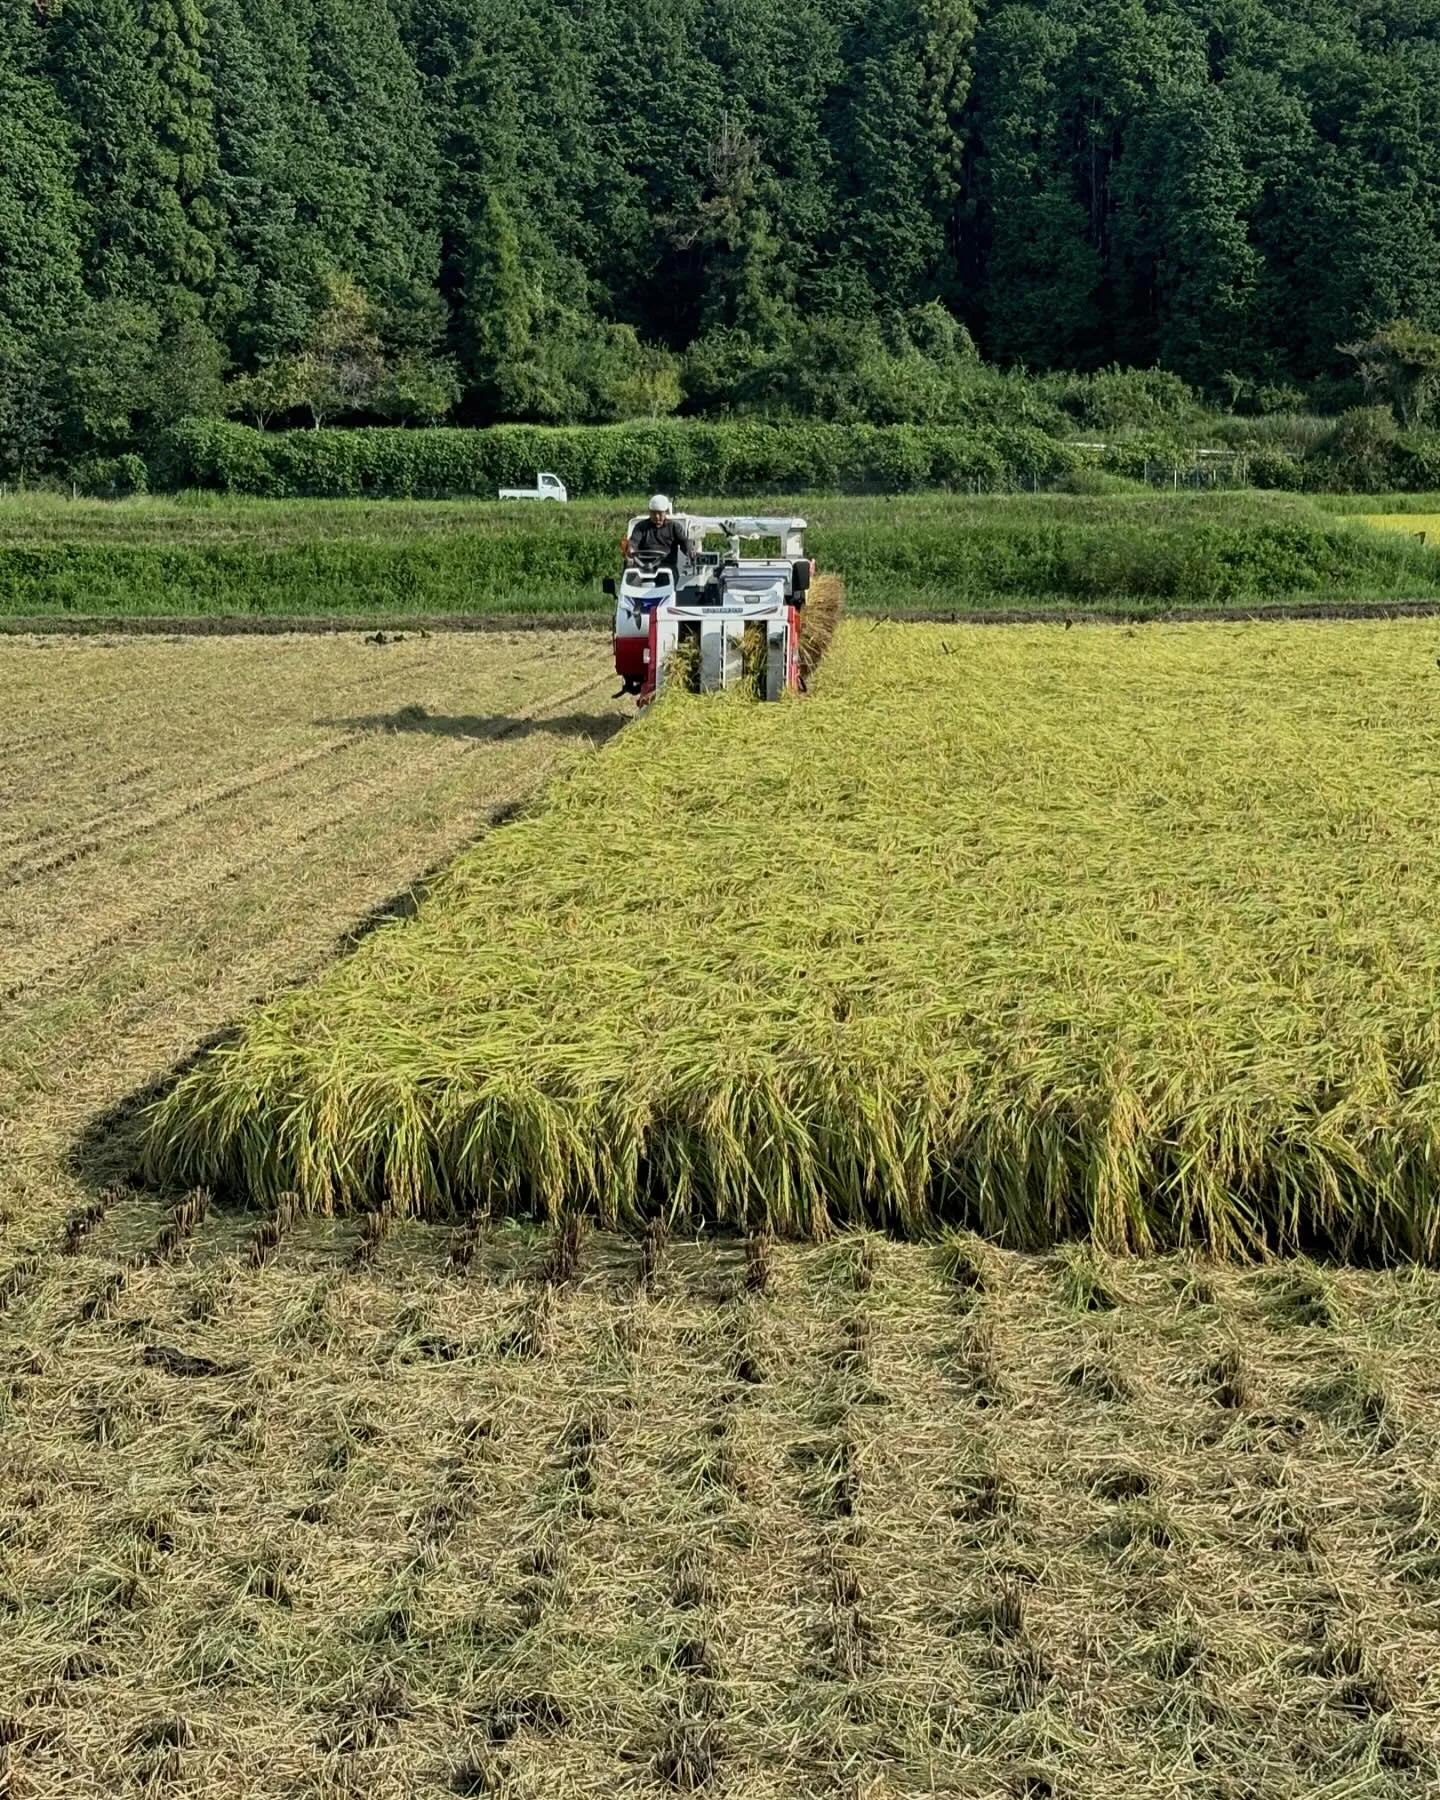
point(312, 211)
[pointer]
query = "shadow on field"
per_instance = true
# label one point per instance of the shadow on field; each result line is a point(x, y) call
point(109, 1147)
point(108, 1150)
point(599, 727)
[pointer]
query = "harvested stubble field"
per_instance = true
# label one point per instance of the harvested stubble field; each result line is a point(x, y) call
point(370, 1508)
point(188, 825)
point(1132, 933)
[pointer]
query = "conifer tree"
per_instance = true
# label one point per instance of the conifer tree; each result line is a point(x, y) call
point(564, 195)
point(377, 203)
point(496, 311)
point(268, 280)
point(902, 138)
point(129, 73)
point(40, 221)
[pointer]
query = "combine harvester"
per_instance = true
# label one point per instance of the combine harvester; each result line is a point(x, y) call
point(715, 618)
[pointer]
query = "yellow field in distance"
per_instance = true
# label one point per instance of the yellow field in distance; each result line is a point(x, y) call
point(1415, 525)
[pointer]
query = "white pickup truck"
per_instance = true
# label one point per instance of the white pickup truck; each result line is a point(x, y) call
point(547, 487)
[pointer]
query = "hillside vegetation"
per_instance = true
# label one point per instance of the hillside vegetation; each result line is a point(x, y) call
point(882, 211)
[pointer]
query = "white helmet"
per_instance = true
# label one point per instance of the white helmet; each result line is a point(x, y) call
point(660, 503)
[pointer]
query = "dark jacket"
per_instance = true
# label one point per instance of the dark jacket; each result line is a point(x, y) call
point(667, 542)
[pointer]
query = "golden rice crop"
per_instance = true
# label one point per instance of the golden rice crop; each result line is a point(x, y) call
point(1424, 526)
point(1133, 933)
point(820, 622)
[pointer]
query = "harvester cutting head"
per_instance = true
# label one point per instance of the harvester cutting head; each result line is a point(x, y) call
point(691, 606)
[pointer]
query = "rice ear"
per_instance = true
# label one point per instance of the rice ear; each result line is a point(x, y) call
point(956, 941)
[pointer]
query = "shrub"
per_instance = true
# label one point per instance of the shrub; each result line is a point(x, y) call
point(1277, 469)
point(1361, 451)
point(113, 477)
point(739, 456)
point(1115, 400)
point(914, 368)
point(1417, 462)
point(1098, 484)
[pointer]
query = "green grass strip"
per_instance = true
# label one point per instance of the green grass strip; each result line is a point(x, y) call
point(202, 556)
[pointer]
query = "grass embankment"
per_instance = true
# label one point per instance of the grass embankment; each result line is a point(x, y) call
point(1143, 554)
point(1374, 506)
point(202, 557)
point(199, 557)
point(1110, 932)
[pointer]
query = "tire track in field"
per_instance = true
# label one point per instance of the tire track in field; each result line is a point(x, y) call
point(13, 843)
point(33, 840)
point(324, 815)
point(177, 704)
point(126, 830)
point(148, 922)
point(14, 746)
point(303, 831)
point(191, 986)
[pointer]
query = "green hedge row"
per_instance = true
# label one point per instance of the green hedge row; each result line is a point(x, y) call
point(735, 457)
point(743, 457)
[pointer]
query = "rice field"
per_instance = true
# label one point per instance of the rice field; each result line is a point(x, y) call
point(1043, 933)
point(190, 825)
point(380, 1508)
point(1423, 527)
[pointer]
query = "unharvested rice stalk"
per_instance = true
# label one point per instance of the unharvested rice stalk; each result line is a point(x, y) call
point(1036, 933)
point(820, 622)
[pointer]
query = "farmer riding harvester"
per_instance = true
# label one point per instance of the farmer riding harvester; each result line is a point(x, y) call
point(712, 617)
